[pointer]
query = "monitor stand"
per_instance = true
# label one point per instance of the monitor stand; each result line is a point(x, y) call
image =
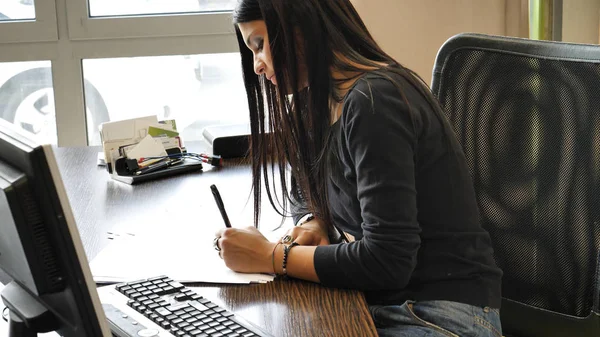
point(27, 315)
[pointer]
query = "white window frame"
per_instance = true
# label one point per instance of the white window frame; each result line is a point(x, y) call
point(41, 29)
point(82, 26)
point(75, 36)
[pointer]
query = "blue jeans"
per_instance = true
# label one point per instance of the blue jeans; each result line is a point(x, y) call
point(436, 319)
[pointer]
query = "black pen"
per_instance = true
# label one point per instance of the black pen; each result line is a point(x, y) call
point(157, 166)
point(220, 205)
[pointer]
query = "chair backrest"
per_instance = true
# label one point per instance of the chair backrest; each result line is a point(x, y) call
point(527, 114)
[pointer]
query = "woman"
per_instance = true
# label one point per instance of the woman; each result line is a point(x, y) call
point(371, 155)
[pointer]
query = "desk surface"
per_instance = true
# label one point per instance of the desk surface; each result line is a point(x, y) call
point(283, 308)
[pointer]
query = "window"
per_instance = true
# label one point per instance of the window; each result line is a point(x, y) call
point(27, 98)
point(17, 10)
point(90, 61)
point(141, 7)
point(195, 90)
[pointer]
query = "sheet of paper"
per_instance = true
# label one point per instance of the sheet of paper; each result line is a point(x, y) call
point(129, 129)
point(185, 258)
point(148, 147)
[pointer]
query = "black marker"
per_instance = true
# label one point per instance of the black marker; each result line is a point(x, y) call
point(220, 205)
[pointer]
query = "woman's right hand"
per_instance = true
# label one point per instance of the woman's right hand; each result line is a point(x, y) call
point(310, 233)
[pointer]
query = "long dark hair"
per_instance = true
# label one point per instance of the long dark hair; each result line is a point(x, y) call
point(295, 128)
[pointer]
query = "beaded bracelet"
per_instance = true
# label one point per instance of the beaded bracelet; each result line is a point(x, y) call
point(286, 250)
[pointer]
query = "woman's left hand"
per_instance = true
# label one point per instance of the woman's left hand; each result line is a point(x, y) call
point(245, 250)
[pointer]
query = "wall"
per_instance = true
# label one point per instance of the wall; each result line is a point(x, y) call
point(412, 31)
point(581, 21)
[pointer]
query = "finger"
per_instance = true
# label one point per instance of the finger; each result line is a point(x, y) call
point(293, 232)
point(305, 240)
point(225, 232)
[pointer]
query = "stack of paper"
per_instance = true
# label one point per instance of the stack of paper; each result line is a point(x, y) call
point(138, 137)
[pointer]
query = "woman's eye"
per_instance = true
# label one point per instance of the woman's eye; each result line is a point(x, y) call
point(260, 45)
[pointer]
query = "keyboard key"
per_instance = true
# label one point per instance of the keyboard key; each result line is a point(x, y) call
point(182, 297)
point(163, 311)
point(179, 306)
point(182, 325)
point(177, 285)
point(168, 290)
point(198, 306)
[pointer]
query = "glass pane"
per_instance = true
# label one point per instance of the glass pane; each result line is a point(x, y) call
point(27, 98)
point(16, 10)
point(143, 7)
point(194, 90)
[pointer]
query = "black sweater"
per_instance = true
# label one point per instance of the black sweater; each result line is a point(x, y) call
point(400, 185)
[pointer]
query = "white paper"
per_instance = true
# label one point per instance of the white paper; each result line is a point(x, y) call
point(147, 147)
point(184, 257)
point(129, 129)
point(125, 132)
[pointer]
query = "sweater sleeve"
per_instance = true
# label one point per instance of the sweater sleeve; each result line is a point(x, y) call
point(379, 139)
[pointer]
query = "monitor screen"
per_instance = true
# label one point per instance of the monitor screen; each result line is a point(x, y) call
point(40, 246)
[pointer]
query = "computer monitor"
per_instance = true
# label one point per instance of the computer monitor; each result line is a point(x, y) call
point(40, 248)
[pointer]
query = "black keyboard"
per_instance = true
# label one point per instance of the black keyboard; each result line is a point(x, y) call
point(176, 309)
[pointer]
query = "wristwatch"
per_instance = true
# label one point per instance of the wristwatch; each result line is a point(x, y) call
point(305, 218)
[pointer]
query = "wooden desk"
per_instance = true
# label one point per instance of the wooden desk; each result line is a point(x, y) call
point(283, 308)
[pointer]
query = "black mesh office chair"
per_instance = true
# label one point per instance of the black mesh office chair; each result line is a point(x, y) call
point(528, 116)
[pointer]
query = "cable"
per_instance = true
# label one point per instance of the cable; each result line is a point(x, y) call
point(205, 158)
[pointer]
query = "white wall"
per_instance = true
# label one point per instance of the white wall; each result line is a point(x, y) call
point(581, 21)
point(412, 31)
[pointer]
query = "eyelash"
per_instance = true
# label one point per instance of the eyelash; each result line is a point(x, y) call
point(260, 45)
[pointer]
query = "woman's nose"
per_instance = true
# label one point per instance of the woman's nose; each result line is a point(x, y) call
point(259, 67)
